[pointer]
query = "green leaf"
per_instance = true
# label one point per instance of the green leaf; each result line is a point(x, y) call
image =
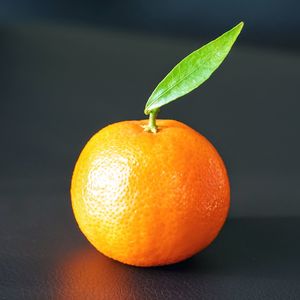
point(193, 70)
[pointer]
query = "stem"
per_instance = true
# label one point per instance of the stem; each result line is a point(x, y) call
point(152, 127)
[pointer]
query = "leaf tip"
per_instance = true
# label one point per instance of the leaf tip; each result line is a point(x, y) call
point(240, 25)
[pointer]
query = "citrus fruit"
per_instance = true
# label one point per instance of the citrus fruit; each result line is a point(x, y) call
point(149, 199)
point(149, 193)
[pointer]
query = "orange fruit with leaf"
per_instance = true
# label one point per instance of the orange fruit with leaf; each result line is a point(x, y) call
point(155, 192)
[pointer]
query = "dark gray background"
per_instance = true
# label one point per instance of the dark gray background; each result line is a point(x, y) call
point(62, 84)
point(270, 22)
point(66, 73)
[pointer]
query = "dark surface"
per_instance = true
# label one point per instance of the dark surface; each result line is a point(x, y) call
point(59, 85)
point(44, 256)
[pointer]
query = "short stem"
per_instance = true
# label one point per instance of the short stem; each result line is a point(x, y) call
point(152, 127)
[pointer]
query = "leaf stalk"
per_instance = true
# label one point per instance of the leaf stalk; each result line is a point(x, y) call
point(152, 127)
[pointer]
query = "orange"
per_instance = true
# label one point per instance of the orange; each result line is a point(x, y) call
point(149, 199)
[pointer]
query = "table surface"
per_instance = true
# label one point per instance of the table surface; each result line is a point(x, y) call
point(58, 86)
point(43, 255)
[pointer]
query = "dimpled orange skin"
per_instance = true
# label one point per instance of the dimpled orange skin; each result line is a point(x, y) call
point(148, 199)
